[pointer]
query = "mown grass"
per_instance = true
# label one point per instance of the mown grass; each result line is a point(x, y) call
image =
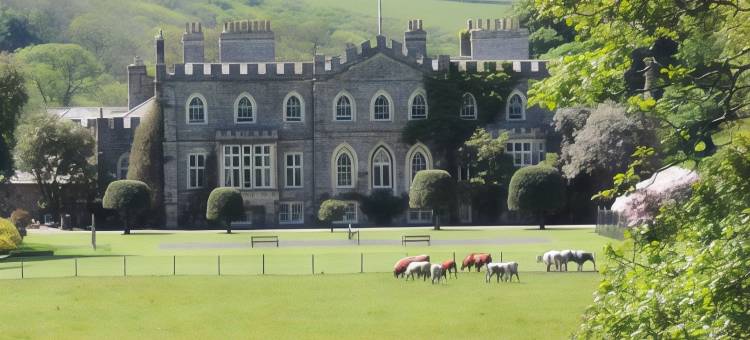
point(366, 306)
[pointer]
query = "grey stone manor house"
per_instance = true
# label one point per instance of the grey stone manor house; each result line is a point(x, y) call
point(288, 134)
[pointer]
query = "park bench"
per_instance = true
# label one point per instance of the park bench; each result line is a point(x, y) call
point(264, 239)
point(415, 238)
point(352, 231)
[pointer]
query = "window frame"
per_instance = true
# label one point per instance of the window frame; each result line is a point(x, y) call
point(295, 167)
point(205, 109)
point(412, 98)
point(335, 155)
point(524, 154)
point(197, 168)
point(352, 107)
point(523, 106)
point(124, 157)
point(254, 112)
point(463, 107)
point(290, 212)
point(248, 167)
point(346, 219)
point(374, 99)
point(390, 165)
point(285, 107)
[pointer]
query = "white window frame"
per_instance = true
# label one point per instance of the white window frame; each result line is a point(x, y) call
point(523, 106)
point(337, 152)
point(200, 171)
point(290, 213)
point(205, 109)
point(391, 169)
point(418, 92)
point(248, 165)
point(301, 107)
point(123, 157)
point(254, 116)
point(294, 168)
point(463, 107)
point(352, 103)
point(352, 213)
point(390, 106)
point(421, 216)
point(524, 154)
point(416, 148)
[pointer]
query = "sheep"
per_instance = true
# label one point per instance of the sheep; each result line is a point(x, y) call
point(400, 267)
point(421, 269)
point(493, 269)
point(551, 257)
point(450, 266)
point(480, 260)
point(500, 269)
point(579, 257)
point(468, 262)
point(510, 268)
point(438, 273)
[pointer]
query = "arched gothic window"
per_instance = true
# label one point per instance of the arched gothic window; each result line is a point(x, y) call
point(418, 107)
point(122, 166)
point(196, 110)
point(382, 108)
point(516, 109)
point(344, 109)
point(381, 169)
point(293, 109)
point(468, 107)
point(344, 170)
point(245, 112)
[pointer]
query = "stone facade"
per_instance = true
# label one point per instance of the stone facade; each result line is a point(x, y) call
point(290, 134)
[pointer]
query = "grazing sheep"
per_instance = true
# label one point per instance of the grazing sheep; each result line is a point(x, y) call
point(551, 257)
point(493, 269)
point(438, 273)
point(420, 269)
point(510, 268)
point(468, 262)
point(579, 257)
point(450, 266)
point(480, 260)
point(400, 267)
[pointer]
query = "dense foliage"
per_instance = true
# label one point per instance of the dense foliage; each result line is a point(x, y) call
point(546, 33)
point(57, 152)
point(225, 205)
point(20, 218)
point(432, 189)
point(146, 156)
point(129, 198)
point(381, 206)
point(332, 210)
point(681, 277)
point(538, 190)
point(12, 99)
point(9, 236)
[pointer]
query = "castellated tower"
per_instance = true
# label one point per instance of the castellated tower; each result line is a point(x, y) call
point(192, 43)
point(415, 39)
point(247, 41)
point(500, 39)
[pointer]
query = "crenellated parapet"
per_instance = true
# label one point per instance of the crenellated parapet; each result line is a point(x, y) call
point(241, 71)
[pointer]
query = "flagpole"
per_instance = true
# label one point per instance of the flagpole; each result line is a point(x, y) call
point(380, 17)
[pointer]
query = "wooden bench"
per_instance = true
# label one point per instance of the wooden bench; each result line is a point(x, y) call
point(264, 239)
point(415, 238)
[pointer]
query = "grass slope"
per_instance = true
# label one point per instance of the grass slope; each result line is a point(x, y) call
point(366, 306)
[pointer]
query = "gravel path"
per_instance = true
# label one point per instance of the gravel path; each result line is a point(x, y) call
point(346, 243)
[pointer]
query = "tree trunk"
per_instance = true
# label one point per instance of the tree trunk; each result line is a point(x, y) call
point(229, 227)
point(541, 222)
point(126, 229)
point(436, 218)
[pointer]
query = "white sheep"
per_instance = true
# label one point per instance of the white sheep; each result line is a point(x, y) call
point(493, 268)
point(579, 257)
point(510, 268)
point(419, 269)
point(551, 257)
point(437, 273)
point(500, 269)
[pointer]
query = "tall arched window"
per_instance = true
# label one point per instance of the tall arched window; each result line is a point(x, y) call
point(122, 166)
point(516, 106)
point(293, 108)
point(468, 107)
point(381, 169)
point(417, 106)
point(344, 170)
point(245, 111)
point(196, 110)
point(418, 163)
point(344, 109)
point(381, 106)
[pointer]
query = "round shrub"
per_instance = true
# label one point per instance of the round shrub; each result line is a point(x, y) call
point(9, 232)
point(538, 190)
point(381, 206)
point(6, 245)
point(432, 189)
point(225, 205)
point(332, 210)
point(128, 197)
point(20, 218)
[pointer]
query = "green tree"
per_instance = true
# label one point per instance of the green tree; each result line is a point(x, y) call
point(15, 32)
point(487, 158)
point(146, 155)
point(129, 198)
point(60, 71)
point(332, 210)
point(538, 190)
point(432, 189)
point(12, 99)
point(58, 153)
point(224, 206)
point(546, 33)
point(381, 206)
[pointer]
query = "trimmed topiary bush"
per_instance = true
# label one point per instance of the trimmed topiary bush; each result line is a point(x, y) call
point(432, 189)
point(225, 205)
point(332, 210)
point(9, 236)
point(146, 157)
point(129, 198)
point(538, 190)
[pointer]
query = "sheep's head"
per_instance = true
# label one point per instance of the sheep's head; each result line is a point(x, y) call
point(538, 258)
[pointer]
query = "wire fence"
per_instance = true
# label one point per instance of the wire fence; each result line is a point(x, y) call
point(219, 265)
point(610, 223)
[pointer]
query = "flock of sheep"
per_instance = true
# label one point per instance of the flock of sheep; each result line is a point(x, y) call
point(419, 266)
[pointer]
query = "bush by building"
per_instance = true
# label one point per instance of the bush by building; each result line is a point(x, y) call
point(538, 190)
point(225, 205)
point(129, 198)
point(432, 189)
point(9, 236)
point(332, 210)
point(381, 206)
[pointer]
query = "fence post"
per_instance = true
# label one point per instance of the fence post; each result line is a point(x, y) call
point(76, 265)
point(361, 263)
point(22, 267)
point(454, 257)
point(501, 256)
point(358, 232)
point(263, 260)
point(218, 259)
point(313, 264)
point(124, 266)
point(174, 265)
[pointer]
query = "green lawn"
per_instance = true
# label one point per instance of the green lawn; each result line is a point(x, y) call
point(199, 304)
